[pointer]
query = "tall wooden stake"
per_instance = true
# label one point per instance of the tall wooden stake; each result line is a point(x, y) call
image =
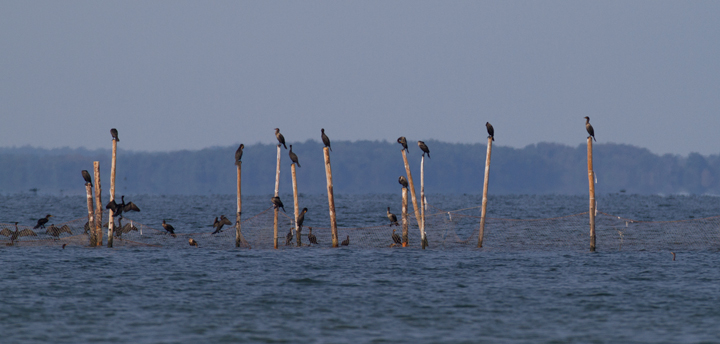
point(297, 208)
point(91, 215)
point(97, 228)
point(412, 191)
point(277, 189)
point(423, 238)
point(238, 233)
point(331, 197)
point(405, 216)
point(591, 181)
point(481, 235)
point(111, 221)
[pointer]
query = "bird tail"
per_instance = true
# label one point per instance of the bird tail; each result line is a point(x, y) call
point(237, 163)
point(284, 145)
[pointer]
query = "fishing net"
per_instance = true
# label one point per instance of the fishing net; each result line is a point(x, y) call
point(444, 230)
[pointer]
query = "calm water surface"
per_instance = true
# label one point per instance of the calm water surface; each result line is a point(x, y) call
point(349, 295)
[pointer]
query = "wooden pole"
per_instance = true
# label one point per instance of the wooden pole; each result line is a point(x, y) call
point(412, 191)
point(238, 233)
point(111, 221)
point(91, 215)
point(277, 189)
point(97, 229)
point(405, 216)
point(297, 208)
point(331, 197)
point(591, 181)
point(423, 238)
point(481, 235)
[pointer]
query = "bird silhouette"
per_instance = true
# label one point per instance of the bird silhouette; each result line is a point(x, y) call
point(280, 137)
point(424, 148)
point(325, 139)
point(490, 130)
point(41, 222)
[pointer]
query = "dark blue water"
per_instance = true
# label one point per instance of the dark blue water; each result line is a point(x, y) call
point(161, 295)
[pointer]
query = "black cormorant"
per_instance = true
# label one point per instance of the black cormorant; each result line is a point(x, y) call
point(293, 157)
point(325, 139)
point(280, 137)
point(277, 203)
point(17, 233)
point(401, 140)
point(424, 148)
point(490, 130)
point(311, 237)
point(122, 207)
point(396, 238)
point(114, 134)
point(219, 224)
point(403, 181)
point(301, 218)
point(392, 217)
point(86, 176)
point(589, 127)
point(238, 154)
point(41, 222)
point(288, 238)
point(169, 228)
point(55, 231)
point(346, 242)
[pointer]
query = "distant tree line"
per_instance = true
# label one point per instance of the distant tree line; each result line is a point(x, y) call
point(365, 167)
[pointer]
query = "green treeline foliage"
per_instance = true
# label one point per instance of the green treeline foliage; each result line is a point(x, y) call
point(365, 167)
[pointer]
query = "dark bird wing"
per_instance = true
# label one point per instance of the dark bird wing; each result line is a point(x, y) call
point(396, 238)
point(52, 230)
point(112, 205)
point(26, 232)
point(64, 229)
point(225, 220)
point(86, 176)
point(130, 207)
point(6, 232)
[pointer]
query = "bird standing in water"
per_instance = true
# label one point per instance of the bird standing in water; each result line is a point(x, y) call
point(280, 137)
point(403, 182)
point(490, 130)
point(392, 217)
point(311, 237)
point(114, 134)
point(293, 157)
point(325, 139)
point(86, 176)
point(238, 154)
point(277, 203)
point(424, 148)
point(41, 222)
point(346, 242)
point(396, 238)
point(589, 127)
point(401, 140)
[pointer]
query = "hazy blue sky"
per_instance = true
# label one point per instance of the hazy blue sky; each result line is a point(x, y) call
point(187, 75)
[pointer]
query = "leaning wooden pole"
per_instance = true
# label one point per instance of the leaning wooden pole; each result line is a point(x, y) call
point(404, 216)
point(412, 191)
point(481, 235)
point(277, 189)
point(591, 181)
point(111, 221)
point(97, 228)
point(297, 211)
point(423, 238)
point(91, 213)
point(331, 197)
point(238, 233)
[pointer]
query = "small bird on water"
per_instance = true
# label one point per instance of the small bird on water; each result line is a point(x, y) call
point(293, 157)
point(403, 182)
point(325, 139)
point(41, 222)
point(192, 242)
point(238, 154)
point(392, 217)
point(86, 176)
point(277, 203)
point(346, 242)
point(401, 140)
point(589, 127)
point(311, 237)
point(490, 130)
point(280, 137)
point(424, 148)
point(114, 134)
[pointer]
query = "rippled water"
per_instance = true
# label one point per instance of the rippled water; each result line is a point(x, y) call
point(152, 295)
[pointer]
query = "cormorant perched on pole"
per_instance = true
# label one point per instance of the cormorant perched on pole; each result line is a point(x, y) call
point(401, 140)
point(424, 148)
point(301, 219)
point(403, 181)
point(396, 238)
point(86, 176)
point(392, 217)
point(490, 130)
point(293, 157)
point(169, 228)
point(277, 203)
point(346, 242)
point(238, 154)
point(325, 139)
point(41, 222)
point(280, 137)
point(122, 207)
point(311, 237)
point(589, 127)
point(114, 134)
